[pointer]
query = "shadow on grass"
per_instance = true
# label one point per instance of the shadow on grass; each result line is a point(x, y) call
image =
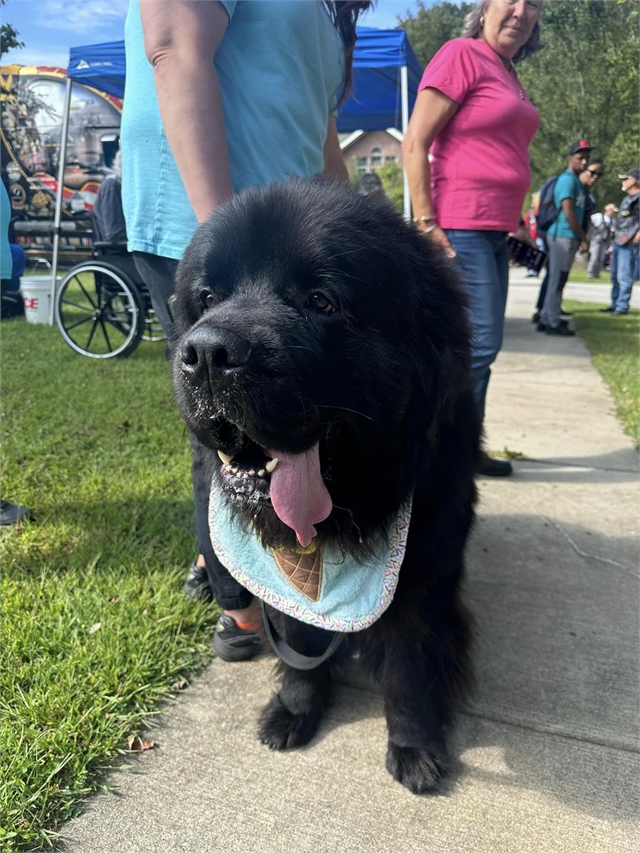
point(104, 535)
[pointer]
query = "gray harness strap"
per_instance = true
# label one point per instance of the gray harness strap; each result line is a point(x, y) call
point(289, 655)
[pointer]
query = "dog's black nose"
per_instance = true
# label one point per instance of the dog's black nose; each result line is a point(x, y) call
point(218, 348)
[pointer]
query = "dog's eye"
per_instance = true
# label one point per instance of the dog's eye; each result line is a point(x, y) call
point(319, 302)
point(207, 299)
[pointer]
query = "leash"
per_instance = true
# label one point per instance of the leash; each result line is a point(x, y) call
point(289, 655)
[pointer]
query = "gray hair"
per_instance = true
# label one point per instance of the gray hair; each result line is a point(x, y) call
point(473, 27)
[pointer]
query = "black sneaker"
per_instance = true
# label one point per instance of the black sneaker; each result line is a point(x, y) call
point(494, 467)
point(619, 313)
point(233, 643)
point(536, 317)
point(608, 310)
point(564, 313)
point(12, 514)
point(562, 331)
point(196, 585)
point(542, 327)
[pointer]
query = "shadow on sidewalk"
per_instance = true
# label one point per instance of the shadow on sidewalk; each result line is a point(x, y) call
point(556, 660)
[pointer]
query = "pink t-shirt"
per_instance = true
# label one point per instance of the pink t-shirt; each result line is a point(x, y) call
point(480, 161)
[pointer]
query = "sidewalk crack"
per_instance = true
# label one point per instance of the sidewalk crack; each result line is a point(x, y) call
point(584, 554)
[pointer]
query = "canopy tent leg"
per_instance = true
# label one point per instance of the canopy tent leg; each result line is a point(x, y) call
point(58, 212)
point(404, 99)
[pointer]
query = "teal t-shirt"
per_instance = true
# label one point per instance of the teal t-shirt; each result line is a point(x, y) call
point(568, 185)
point(6, 262)
point(280, 68)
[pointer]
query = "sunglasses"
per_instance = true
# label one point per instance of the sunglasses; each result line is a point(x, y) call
point(593, 174)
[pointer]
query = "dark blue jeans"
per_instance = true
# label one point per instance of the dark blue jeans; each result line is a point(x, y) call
point(483, 259)
point(623, 272)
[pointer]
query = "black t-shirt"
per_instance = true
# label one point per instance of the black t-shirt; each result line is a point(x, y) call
point(628, 219)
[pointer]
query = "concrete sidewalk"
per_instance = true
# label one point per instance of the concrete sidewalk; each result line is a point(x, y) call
point(545, 759)
point(586, 291)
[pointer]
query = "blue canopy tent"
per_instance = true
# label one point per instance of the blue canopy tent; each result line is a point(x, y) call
point(386, 76)
point(101, 66)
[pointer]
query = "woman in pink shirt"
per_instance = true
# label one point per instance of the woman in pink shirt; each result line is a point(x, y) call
point(474, 116)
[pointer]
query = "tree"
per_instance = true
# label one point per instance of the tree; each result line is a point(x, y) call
point(430, 28)
point(8, 41)
point(585, 84)
point(391, 176)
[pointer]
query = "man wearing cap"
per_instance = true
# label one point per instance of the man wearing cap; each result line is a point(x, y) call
point(565, 236)
point(625, 244)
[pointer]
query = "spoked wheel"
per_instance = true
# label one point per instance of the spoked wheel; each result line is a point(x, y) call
point(153, 331)
point(98, 312)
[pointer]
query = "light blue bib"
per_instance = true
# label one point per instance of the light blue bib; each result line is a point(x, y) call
point(321, 586)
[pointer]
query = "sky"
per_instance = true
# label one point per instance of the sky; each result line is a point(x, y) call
point(50, 27)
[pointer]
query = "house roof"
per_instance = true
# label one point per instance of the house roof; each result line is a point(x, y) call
point(347, 139)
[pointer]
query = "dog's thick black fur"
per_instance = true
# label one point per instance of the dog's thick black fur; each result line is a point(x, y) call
point(309, 314)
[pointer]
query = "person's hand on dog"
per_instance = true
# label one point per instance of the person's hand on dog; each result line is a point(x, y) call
point(435, 233)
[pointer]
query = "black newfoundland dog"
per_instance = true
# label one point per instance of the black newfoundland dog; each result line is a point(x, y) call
point(319, 328)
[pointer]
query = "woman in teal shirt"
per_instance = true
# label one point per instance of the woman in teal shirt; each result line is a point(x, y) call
point(221, 95)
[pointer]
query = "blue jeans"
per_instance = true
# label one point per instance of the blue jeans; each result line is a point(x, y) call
point(483, 259)
point(623, 273)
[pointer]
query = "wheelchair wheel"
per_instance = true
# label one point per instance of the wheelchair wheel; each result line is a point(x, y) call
point(99, 311)
point(153, 331)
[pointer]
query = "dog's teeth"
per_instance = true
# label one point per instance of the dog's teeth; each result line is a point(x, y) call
point(252, 473)
point(225, 457)
point(261, 472)
point(271, 465)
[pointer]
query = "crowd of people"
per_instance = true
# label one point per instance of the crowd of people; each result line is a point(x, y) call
point(566, 206)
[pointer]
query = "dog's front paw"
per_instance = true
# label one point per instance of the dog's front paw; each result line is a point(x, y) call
point(280, 729)
point(418, 769)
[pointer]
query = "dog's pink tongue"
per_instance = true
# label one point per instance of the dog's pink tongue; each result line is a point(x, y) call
point(298, 493)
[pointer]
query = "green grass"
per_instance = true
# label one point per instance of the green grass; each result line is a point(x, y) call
point(580, 276)
point(96, 449)
point(613, 344)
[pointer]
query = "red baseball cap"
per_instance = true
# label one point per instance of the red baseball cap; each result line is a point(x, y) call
point(580, 145)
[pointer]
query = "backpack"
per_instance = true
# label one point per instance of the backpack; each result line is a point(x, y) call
point(547, 210)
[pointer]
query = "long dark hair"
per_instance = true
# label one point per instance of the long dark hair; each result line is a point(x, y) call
point(345, 14)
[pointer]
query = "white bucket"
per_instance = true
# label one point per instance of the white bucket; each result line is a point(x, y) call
point(36, 292)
